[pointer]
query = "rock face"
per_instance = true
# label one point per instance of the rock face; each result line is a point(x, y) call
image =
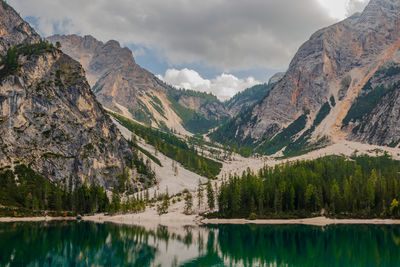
point(276, 77)
point(374, 116)
point(124, 87)
point(248, 98)
point(207, 105)
point(50, 119)
point(332, 67)
point(13, 29)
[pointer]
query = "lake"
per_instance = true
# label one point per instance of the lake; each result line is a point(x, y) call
point(89, 244)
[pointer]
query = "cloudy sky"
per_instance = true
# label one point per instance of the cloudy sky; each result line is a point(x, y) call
point(219, 46)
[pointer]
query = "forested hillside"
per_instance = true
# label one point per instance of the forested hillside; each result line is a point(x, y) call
point(342, 84)
point(359, 187)
point(248, 98)
point(195, 121)
point(121, 85)
point(173, 147)
point(23, 192)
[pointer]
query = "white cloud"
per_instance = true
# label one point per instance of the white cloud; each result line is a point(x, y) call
point(223, 86)
point(340, 9)
point(139, 52)
point(354, 6)
point(223, 34)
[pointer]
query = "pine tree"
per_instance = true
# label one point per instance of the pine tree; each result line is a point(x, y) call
point(147, 196)
point(188, 202)
point(116, 201)
point(162, 208)
point(370, 190)
point(210, 196)
point(200, 194)
point(394, 208)
point(236, 200)
point(277, 201)
point(335, 197)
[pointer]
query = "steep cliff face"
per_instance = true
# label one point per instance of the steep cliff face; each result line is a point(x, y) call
point(13, 29)
point(248, 98)
point(324, 78)
point(51, 120)
point(49, 117)
point(374, 115)
point(276, 78)
point(123, 86)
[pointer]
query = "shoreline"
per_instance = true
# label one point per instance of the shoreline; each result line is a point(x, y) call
point(177, 220)
point(35, 219)
point(316, 221)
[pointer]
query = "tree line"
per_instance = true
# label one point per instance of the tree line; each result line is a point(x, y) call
point(358, 187)
point(173, 147)
point(9, 61)
point(23, 192)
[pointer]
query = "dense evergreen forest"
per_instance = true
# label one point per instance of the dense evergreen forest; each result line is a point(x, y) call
point(25, 193)
point(173, 147)
point(359, 187)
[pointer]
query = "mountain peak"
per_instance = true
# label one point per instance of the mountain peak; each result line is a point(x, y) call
point(324, 79)
point(380, 8)
point(13, 29)
point(385, 3)
point(113, 43)
point(50, 118)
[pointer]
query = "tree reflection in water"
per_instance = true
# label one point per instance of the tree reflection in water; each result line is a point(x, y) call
point(90, 244)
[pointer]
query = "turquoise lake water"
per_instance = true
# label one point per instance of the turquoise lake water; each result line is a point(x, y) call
point(90, 244)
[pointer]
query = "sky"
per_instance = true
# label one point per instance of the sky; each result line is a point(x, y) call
point(218, 46)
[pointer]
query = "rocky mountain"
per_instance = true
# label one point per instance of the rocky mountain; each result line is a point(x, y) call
point(248, 98)
point(276, 78)
point(123, 86)
point(374, 115)
point(13, 29)
point(49, 117)
point(324, 82)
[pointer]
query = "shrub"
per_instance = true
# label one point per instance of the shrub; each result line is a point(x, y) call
point(252, 216)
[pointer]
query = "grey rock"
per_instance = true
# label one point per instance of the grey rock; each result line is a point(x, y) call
point(355, 47)
point(13, 29)
point(117, 79)
point(50, 119)
point(276, 77)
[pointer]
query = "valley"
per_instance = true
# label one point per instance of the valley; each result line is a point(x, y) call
point(200, 133)
point(84, 118)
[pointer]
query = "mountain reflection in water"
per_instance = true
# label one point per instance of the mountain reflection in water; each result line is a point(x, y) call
point(90, 244)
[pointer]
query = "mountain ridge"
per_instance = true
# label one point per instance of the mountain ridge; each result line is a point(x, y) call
point(331, 67)
point(118, 81)
point(50, 119)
